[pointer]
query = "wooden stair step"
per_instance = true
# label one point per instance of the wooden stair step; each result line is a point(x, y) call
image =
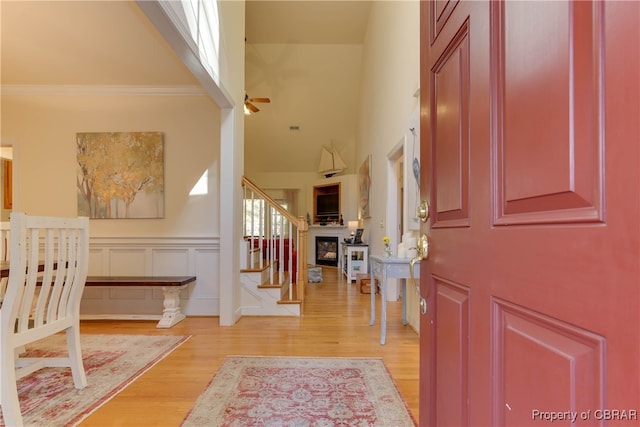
point(292, 301)
point(257, 269)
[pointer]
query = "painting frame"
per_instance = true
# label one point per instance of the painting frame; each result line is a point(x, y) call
point(364, 189)
point(120, 175)
point(357, 239)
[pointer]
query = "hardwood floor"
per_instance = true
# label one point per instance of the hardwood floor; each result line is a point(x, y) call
point(336, 323)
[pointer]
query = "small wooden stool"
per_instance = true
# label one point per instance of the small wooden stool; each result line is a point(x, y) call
point(364, 281)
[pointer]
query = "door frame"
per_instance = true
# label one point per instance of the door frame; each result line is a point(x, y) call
point(395, 201)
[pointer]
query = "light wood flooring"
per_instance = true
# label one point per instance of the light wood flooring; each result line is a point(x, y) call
point(335, 323)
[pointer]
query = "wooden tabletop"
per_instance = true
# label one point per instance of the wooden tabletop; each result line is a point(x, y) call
point(4, 268)
point(139, 280)
point(123, 280)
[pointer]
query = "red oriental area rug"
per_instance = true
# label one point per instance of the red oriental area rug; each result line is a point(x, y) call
point(300, 391)
point(111, 362)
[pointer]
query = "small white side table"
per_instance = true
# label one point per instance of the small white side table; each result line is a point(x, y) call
point(389, 268)
point(355, 259)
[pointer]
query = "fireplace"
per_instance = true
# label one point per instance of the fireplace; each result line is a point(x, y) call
point(327, 250)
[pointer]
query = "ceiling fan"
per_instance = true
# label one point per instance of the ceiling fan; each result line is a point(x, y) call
point(248, 104)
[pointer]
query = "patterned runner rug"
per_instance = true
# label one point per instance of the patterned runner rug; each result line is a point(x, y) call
point(111, 362)
point(300, 391)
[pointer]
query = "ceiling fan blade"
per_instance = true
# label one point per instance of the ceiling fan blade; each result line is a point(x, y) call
point(252, 107)
point(266, 100)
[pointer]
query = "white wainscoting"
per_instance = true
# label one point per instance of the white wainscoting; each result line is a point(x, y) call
point(163, 256)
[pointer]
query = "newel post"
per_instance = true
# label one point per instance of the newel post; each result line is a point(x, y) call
point(303, 276)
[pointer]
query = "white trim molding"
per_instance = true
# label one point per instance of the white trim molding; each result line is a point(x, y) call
point(153, 256)
point(100, 90)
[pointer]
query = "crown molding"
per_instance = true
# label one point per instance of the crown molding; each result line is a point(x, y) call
point(104, 90)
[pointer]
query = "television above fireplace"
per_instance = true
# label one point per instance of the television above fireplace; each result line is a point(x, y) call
point(326, 203)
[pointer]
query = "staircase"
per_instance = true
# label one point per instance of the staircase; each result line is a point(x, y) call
point(273, 272)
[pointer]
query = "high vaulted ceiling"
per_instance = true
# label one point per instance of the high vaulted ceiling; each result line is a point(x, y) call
point(304, 55)
point(306, 21)
point(84, 43)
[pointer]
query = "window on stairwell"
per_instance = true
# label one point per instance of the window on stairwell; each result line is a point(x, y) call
point(200, 20)
point(202, 16)
point(259, 220)
point(280, 225)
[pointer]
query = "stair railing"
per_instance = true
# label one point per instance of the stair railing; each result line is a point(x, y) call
point(266, 224)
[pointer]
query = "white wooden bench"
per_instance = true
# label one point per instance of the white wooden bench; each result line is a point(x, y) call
point(170, 285)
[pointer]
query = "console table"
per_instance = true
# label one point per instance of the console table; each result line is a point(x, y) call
point(384, 268)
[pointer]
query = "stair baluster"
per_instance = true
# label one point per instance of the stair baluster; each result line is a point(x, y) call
point(278, 240)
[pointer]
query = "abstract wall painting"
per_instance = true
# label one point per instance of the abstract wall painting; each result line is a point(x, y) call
point(120, 174)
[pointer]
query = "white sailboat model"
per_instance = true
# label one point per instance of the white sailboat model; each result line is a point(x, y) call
point(330, 162)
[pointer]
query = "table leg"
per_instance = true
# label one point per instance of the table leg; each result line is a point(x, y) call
point(172, 313)
point(404, 301)
point(372, 281)
point(383, 310)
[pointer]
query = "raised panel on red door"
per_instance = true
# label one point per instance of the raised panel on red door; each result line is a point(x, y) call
point(530, 151)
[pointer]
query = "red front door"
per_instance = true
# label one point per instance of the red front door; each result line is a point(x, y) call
point(530, 146)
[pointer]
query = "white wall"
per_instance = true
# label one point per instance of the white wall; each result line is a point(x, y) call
point(304, 182)
point(41, 123)
point(231, 159)
point(390, 77)
point(43, 129)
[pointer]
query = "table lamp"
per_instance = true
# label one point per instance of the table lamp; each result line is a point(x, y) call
point(352, 226)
